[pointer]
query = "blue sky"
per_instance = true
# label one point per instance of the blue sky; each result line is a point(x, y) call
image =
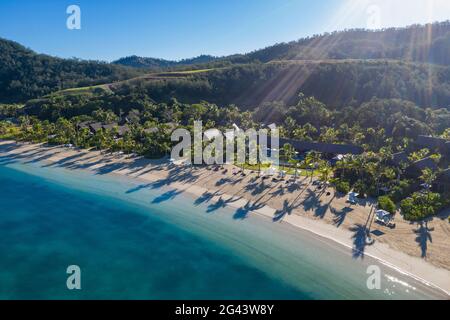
point(175, 29)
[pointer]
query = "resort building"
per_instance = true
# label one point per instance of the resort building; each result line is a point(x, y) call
point(325, 148)
point(442, 183)
point(433, 143)
point(416, 168)
point(399, 158)
point(94, 127)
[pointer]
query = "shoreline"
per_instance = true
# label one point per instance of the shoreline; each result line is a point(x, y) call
point(314, 227)
point(155, 171)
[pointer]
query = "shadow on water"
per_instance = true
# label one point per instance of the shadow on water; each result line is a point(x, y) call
point(139, 188)
point(169, 195)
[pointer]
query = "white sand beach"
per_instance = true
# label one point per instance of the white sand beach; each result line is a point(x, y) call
point(420, 250)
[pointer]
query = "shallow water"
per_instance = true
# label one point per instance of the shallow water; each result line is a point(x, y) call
point(133, 240)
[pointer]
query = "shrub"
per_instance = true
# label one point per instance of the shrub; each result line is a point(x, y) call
point(400, 191)
point(420, 205)
point(372, 191)
point(361, 188)
point(342, 186)
point(385, 203)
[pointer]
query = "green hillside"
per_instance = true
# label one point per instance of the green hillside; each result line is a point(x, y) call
point(25, 74)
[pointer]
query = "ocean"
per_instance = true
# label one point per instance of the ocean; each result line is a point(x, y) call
point(135, 240)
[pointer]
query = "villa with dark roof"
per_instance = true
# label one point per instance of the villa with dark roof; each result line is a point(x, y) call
point(433, 143)
point(399, 158)
point(416, 168)
point(329, 148)
point(94, 127)
point(442, 183)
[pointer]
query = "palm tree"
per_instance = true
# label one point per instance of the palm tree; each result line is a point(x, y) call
point(258, 157)
point(428, 177)
point(295, 163)
point(325, 171)
point(310, 161)
point(288, 152)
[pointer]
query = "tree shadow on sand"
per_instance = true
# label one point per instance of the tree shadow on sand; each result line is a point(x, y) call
point(206, 197)
point(280, 191)
point(243, 212)
point(221, 203)
point(359, 237)
point(223, 181)
point(312, 202)
point(286, 210)
point(340, 215)
point(423, 236)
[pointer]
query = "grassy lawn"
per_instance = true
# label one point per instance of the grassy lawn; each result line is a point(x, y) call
point(85, 89)
point(192, 71)
point(301, 172)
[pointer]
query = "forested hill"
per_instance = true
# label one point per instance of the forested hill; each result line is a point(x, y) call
point(419, 43)
point(25, 74)
point(154, 63)
point(340, 69)
point(336, 83)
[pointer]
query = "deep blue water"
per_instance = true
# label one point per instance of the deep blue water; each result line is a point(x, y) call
point(135, 243)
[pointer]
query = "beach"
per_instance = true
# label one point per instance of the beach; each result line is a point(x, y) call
point(419, 250)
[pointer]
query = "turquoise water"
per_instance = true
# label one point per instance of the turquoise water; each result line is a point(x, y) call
point(138, 241)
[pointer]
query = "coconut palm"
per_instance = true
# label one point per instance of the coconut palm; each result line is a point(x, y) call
point(288, 152)
point(428, 177)
point(325, 171)
point(310, 161)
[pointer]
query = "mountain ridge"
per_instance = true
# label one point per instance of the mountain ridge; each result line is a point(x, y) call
point(144, 62)
point(432, 46)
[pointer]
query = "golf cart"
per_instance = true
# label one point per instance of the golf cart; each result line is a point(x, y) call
point(385, 218)
point(353, 197)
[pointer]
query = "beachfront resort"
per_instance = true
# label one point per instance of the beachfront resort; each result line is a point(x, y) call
point(389, 197)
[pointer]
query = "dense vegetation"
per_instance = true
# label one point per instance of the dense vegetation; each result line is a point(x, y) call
point(159, 64)
point(25, 75)
point(387, 64)
point(382, 127)
point(337, 84)
point(420, 43)
point(363, 97)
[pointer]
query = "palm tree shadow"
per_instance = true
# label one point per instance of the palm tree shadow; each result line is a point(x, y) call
point(167, 196)
point(221, 203)
point(359, 240)
point(206, 197)
point(313, 203)
point(423, 236)
point(243, 212)
point(340, 216)
point(287, 210)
